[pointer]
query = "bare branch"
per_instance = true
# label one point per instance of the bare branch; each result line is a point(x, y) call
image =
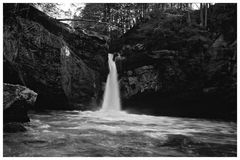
point(86, 20)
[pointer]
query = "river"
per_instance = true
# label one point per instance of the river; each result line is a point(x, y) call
point(91, 134)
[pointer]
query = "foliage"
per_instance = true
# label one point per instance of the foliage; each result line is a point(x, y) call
point(223, 20)
point(119, 18)
point(49, 8)
point(115, 19)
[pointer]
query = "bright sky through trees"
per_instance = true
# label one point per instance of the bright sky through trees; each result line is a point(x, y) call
point(71, 8)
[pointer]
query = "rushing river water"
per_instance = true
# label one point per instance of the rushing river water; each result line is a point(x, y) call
point(76, 133)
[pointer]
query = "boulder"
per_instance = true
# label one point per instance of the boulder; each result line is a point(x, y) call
point(14, 127)
point(17, 100)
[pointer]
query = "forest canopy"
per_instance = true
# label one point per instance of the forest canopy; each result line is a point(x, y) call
point(115, 19)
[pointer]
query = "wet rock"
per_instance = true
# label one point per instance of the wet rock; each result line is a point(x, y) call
point(162, 54)
point(14, 127)
point(17, 100)
point(186, 144)
point(139, 80)
point(80, 83)
point(180, 141)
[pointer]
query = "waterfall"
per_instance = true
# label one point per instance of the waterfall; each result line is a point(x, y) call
point(111, 100)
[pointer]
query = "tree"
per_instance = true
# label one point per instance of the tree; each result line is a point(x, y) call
point(206, 8)
point(119, 18)
point(189, 7)
point(201, 14)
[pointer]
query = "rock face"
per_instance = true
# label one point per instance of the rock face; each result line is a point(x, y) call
point(17, 100)
point(65, 67)
point(171, 68)
point(139, 80)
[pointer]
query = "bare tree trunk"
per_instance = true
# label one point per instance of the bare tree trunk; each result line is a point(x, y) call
point(86, 20)
point(206, 8)
point(105, 13)
point(201, 14)
point(158, 6)
point(128, 24)
point(189, 18)
point(163, 6)
point(108, 18)
point(122, 24)
point(188, 6)
point(144, 9)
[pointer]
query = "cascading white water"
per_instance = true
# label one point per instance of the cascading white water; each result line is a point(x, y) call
point(111, 100)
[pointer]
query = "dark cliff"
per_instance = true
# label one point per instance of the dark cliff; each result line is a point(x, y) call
point(171, 67)
point(65, 67)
